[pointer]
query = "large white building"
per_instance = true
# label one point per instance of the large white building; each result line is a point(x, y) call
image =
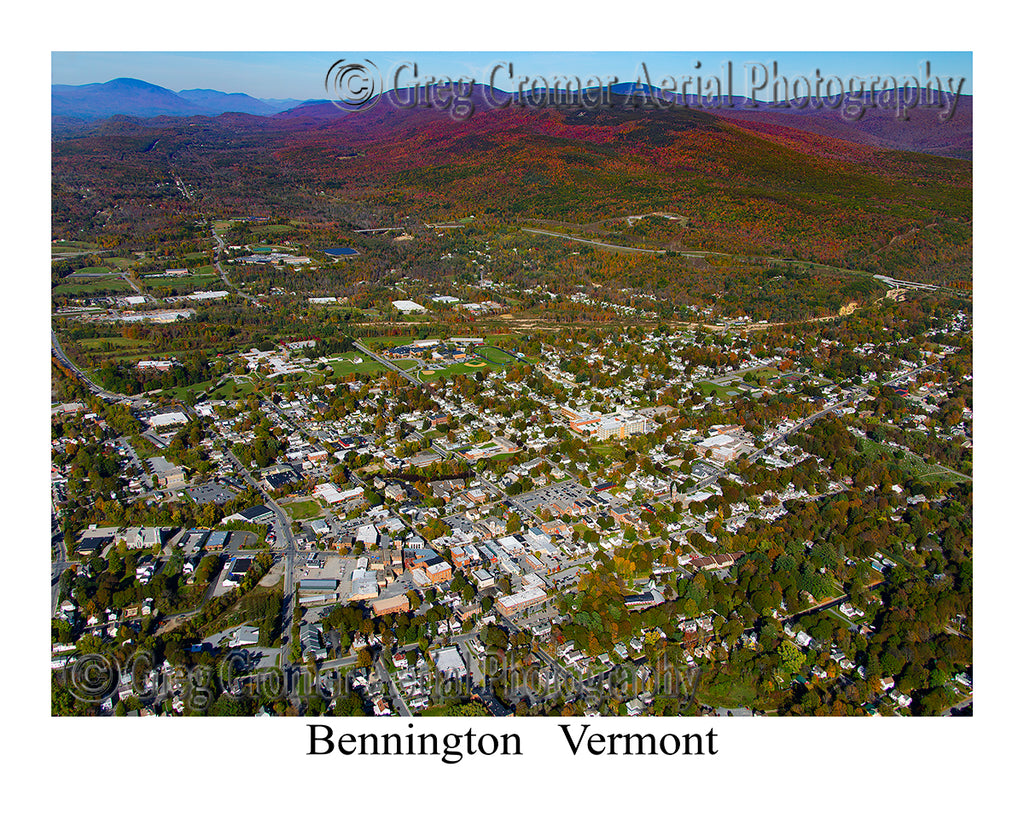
point(404, 306)
point(620, 424)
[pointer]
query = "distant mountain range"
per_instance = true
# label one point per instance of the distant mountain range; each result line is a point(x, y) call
point(136, 98)
point(924, 131)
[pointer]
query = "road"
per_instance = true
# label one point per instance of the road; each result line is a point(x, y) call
point(58, 353)
point(602, 244)
point(389, 364)
point(396, 692)
point(223, 275)
point(284, 531)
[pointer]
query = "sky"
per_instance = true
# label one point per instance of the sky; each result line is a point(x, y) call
point(301, 75)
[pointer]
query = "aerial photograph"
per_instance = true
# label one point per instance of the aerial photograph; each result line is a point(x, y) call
point(511, 384)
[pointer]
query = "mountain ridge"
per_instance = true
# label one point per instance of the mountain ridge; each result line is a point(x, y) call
point(73, 107)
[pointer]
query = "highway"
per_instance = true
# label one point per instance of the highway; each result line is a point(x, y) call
point(600, 244)
point(58, 353)
point(389, 364)
point(223, 275)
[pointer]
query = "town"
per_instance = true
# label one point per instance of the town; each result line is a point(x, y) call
point(398, 516)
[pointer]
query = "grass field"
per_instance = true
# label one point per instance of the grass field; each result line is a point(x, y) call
point(914, 466)
point(85, 287)
point(385, 342)
point(117, 349)
point(343, 365)
point(302, 510)
point(499, 339)
point(454, 369)
point(231, 390)
point(270, 230)
point(497, 357)
point(91, 271)
point(608, 450)
point(188, 393)
point(719, 391)
point(181, 282)
point(117, 343)
point(119, 262)
point(72, 247)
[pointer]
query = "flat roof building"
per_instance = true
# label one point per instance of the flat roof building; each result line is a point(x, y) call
point(515, 603)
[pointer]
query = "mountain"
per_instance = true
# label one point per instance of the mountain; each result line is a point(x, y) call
point(880, 127)
point(282, 104)
point(923, 131)
point(748, 187)
point(220, 103)
point(121, 96)
point(137, 98)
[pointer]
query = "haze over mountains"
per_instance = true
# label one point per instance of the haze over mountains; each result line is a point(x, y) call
point(924, 131)
point(136, 98)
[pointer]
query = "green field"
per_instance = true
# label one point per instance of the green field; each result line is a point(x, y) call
point(719, 391)
point(85, 287)
point(343, 365)
point(117, 349)
point(181, 282)
point(231, 390)
point(913, 466)
point(270, 230)
point(91, 271)
point(119, 262)
point(454, 369)
point(72, 247)
point(189, 393)
point(608, 449)
point(498, 339)
point(302, 510)
point(385, 342)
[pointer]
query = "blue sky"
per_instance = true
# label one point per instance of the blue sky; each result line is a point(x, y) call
point(301, 75)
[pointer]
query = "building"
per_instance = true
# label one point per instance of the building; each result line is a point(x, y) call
point(602, 427)
point(484, 579)
point(725, 445)
point(207, 295)
point(438, 571)
point(167, 419)
point(521, 601)
point(390, 605)
point(405, 306)
point(244, 636)
point(167, 475)
point(237, 571)
point(279, 476)
point(160, 366)
point(254, 514)
point(331, 494)
point(449, 664)
point(317, 585)
point(364, 585)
